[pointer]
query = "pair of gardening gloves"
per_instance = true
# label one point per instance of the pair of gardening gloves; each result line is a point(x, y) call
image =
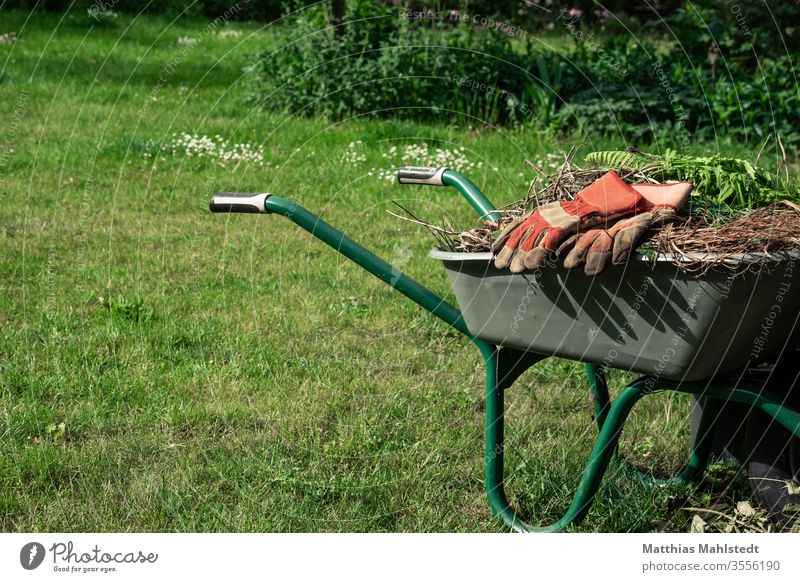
point(605, 222)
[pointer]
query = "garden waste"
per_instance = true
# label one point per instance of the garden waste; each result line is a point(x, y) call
point(702, 212)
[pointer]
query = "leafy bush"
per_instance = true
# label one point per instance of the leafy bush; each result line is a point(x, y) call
point(751, 107)
point(722, 73)
point(719, 75)
point(743, 105)
point(381, 63)
point(744, 32)
point(612, 88)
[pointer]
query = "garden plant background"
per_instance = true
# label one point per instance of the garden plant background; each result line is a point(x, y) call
point(165, 369)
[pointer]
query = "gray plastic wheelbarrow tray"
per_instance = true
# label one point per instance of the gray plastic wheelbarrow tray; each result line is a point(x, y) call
point(646, 316)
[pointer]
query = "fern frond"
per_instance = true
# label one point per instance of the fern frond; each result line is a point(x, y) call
point(622, 159)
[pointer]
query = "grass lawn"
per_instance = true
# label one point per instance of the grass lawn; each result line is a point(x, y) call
point(166, 369)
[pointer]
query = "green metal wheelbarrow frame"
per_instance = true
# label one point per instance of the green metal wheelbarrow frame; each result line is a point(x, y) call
point(504, 365)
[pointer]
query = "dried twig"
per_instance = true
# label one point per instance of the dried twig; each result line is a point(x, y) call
point(444, 240)
point(784, 161)
point(766, 141)
point(425, 224)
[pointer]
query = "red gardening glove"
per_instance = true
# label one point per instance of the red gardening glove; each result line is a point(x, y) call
point(524, 243)
point(596, 247)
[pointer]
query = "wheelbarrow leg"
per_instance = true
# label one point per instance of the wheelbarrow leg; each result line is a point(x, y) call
point(701, 448)
point(596, 374)
point(496, 382)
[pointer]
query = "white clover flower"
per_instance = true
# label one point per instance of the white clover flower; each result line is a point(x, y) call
point(203, 146)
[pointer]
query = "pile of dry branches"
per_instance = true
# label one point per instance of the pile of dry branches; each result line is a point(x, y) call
point(697, 245)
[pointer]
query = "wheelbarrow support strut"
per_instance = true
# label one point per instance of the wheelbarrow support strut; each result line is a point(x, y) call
point(504, 365)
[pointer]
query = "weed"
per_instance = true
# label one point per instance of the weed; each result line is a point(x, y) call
point(129, 309)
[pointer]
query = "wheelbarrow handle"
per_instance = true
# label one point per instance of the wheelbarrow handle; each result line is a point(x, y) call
point(239, 202)
point(446, 177)
point(389, 274)
point(421, 175)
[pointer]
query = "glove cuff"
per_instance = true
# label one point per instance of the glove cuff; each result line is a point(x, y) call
point(657, 196)
point(607, 196)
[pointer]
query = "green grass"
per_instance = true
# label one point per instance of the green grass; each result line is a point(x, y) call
point(230, 373)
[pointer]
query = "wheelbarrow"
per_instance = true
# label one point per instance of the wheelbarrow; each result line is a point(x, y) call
point(685, 333)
